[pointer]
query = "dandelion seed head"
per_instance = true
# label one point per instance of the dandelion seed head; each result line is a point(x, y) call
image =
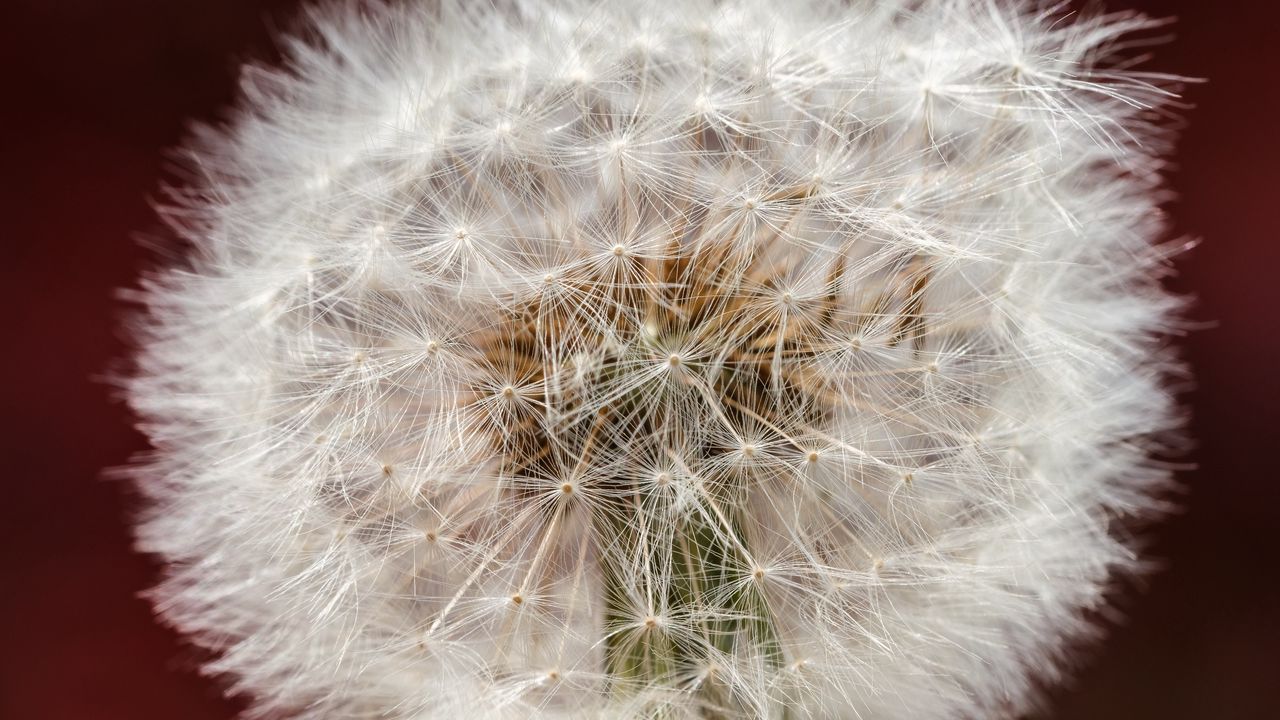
point(560, 359)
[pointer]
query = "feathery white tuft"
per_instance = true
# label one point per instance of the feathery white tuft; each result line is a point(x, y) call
point(737, 359)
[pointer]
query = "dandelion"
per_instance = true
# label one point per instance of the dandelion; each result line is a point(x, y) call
point(731, 359)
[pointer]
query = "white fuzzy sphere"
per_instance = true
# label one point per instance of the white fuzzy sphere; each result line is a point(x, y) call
point(741, 359)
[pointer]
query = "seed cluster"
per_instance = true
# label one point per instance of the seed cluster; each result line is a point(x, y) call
point(560, 359)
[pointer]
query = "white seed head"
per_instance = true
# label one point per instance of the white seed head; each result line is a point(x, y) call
point(735, 359)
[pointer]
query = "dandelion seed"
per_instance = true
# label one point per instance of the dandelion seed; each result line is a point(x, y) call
point(730, 358)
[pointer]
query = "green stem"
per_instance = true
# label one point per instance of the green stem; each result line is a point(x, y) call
point(702, 566)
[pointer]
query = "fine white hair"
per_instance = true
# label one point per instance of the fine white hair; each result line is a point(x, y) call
point(637, 359)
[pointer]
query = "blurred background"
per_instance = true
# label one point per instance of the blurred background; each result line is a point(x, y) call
point(95, 94)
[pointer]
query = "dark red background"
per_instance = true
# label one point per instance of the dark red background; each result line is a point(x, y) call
point(95, 92)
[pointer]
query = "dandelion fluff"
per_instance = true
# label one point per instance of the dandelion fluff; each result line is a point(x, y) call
point(734, 359)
